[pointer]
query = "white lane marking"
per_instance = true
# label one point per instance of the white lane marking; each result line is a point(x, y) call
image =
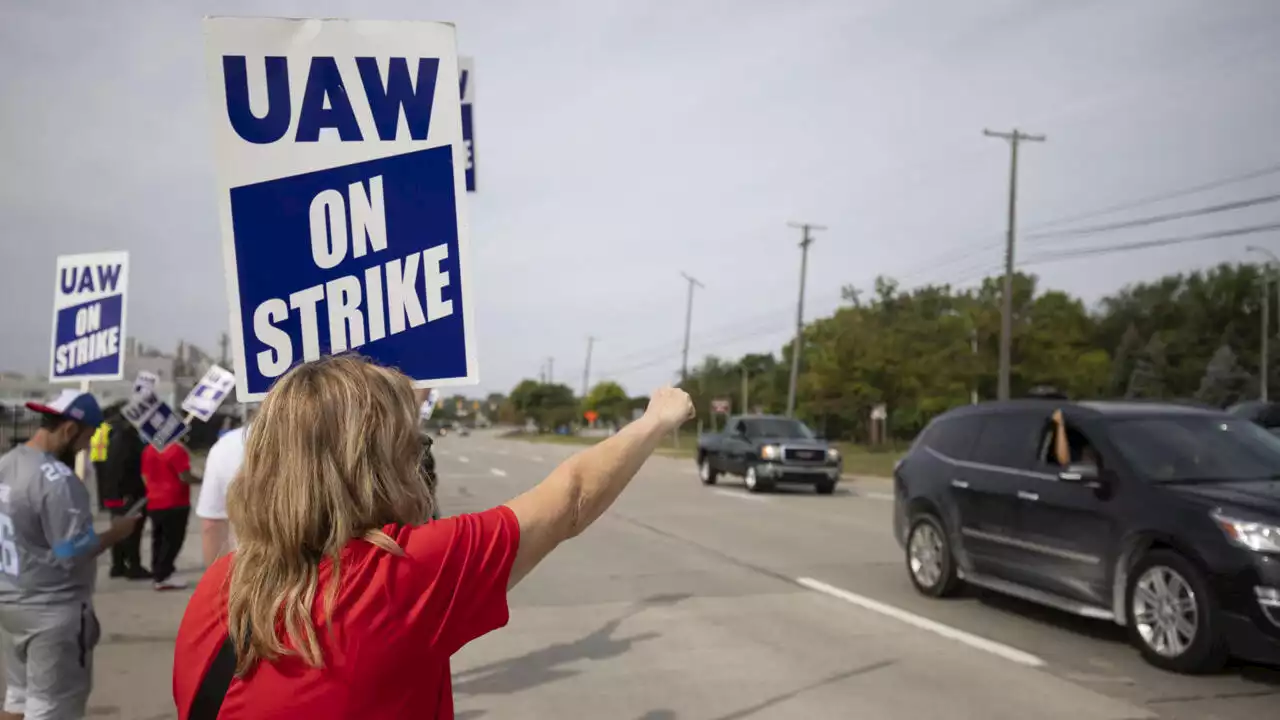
point(536, 458)
point(499, 473)
point(1011, 654)
point(504, 452)
point(875, 495)
point(463, 459)
point(740, 495)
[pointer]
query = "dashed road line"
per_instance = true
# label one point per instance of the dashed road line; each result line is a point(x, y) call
point(463, 459)
point(1011, 654)
point(536, 458)
point(499, 473)
point(740, 495)
point(874, 495)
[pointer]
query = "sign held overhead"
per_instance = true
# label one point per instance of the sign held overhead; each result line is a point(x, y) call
point(341, 191)
point(88, 317)
point(156, 422)
point(203, 400)
point(467, 83)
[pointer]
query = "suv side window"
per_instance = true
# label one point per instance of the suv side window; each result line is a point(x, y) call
point(1008, 440)
point(953, 437)
point(733, 428)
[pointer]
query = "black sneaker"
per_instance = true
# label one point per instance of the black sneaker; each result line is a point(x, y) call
point(117, 572)
point(138, 573)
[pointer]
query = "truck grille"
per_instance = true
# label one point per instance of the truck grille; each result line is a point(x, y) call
point(804, 455)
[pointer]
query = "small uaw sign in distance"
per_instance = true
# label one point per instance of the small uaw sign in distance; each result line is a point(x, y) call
point(88, 316)
point(341, 196)
point(203, 400)
point(155, 421)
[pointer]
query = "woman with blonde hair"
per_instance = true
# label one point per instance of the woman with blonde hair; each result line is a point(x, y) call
point(343, 599)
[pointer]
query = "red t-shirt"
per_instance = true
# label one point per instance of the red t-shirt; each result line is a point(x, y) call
point(163, 472)
point(396, 622)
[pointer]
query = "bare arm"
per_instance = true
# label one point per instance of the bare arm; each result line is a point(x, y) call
point(119, 530)
point(584, 486)
point(213, 539)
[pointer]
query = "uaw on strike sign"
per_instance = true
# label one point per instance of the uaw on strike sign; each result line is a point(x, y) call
point(341, 194)
point(88, 316)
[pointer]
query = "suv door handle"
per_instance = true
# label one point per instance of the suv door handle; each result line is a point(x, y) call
point(1024, 495)
point(959, 484)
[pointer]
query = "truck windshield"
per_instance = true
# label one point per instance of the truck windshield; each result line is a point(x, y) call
point(1197, 449)
point(777, 428)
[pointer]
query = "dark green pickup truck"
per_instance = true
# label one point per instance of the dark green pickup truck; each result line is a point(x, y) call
point(767, 451)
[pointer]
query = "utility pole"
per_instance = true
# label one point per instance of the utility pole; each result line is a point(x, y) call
point(688, 323)
point(1263, 362)
point(1015, 137)
point(806, 239)
point(586, 371)
point(745, 407)
point(973, 348)
point(551, 371)
point(223, 359)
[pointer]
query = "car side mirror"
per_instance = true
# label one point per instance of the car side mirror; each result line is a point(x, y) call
point(1080, 473)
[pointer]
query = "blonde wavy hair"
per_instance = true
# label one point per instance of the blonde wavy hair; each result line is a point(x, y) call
point(334, 454)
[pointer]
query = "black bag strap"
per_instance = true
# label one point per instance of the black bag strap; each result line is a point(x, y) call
point(214, 684)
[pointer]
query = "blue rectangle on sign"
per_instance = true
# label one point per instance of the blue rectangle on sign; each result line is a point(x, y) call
point(358, 257)
point(87, 338)
point(469, 144)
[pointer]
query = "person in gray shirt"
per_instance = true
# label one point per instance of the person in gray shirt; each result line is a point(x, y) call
point(48, 568)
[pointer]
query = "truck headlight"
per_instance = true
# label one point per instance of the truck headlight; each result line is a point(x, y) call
point(769, 452)
point(833, 455)
point(1256, 536)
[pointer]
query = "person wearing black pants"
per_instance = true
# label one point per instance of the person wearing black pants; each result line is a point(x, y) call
point(123, 488)
point(169, 478)
point(168, 531)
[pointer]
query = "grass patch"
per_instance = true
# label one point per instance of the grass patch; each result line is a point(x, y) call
point(862, 460)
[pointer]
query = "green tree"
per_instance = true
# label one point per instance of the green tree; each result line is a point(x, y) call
point(1149, 372)
point(610, 401)
point(1224, 382)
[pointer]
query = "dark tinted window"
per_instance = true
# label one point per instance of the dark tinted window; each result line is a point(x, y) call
point(1008, 440)
point(1197, 449)
point(953, 437)
point(777, 428)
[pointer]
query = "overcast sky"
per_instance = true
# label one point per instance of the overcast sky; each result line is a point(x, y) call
point(621, 143)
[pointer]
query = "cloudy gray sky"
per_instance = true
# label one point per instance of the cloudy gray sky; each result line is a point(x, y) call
point(620, 143)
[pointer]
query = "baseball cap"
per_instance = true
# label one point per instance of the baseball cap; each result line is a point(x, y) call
point(73, 405)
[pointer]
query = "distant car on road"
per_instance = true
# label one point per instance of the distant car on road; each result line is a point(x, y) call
point(766, 451)
point(1162, 518)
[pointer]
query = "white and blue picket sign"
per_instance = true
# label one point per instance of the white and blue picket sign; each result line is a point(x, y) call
point(341, 192)
point(467, 81)
point(156, 422)
point(88, 317)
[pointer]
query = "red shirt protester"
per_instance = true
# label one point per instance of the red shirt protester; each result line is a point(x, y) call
point(163, 473)
point(395, 624)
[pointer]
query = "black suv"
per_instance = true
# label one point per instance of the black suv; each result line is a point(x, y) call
point(1163, 518)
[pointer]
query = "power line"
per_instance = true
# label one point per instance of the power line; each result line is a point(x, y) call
point(1146, 244)
point(1150, 199)
point(1154, 219)
point(930, 267)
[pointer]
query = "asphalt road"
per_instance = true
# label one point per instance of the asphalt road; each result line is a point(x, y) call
point(695, 603)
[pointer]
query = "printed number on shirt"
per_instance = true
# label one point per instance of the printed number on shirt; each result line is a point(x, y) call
point(8, 548)
point(55, 471)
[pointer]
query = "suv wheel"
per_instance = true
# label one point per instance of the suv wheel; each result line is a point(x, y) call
point(753, 482)
point(930, 563)
point(706, 473)
point(1172, 615)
